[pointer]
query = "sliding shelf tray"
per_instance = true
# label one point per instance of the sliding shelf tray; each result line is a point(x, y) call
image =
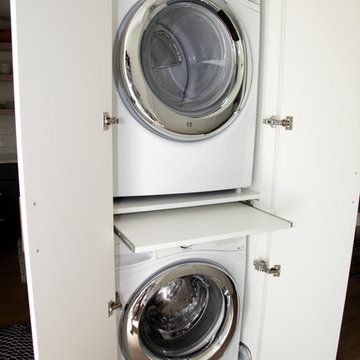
point(129, 205)
point(164, 229)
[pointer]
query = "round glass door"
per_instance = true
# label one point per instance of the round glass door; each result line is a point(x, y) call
point(188, 59)
point(183, 312)
point(179, 67)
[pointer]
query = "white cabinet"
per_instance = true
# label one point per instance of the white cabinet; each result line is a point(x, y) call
point(315, 179)
point(62, 75)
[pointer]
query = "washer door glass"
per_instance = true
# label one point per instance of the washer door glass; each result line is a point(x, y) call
point(180, 320)
point(179, 66)
point(181, 313)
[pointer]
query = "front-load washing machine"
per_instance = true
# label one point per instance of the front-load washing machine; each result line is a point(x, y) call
point(181, 303)
point(185, 73)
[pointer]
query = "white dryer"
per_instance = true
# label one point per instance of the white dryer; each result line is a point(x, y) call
point(181, 303)
point(186, 74)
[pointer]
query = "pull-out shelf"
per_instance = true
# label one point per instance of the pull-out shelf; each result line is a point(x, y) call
point(163, 229)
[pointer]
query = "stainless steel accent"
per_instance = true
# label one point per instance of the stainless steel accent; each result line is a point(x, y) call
point(273, 121)
point(109, 120)
point(113, 305)
point(244, 352)
point(261, 265)
point(153, 72)
point(123, 238)
point(188, 310)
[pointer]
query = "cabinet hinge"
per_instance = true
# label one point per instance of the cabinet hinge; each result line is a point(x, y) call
point(109, 120)
point(113, 305)
point(260, 265)
point(273, 121)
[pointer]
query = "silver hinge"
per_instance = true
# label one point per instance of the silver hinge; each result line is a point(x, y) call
point(273, 121)
point(113, 305)
point(109, 120)
point(260, 265)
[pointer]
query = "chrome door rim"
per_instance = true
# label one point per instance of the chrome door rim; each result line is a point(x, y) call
point(144, 105)
point(129, 332)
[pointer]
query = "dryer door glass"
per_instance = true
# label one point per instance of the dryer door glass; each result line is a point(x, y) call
point(183, 311)
point(188, 58)
point(180, 65)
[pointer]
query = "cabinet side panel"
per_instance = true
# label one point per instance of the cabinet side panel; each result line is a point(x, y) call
point(317, 180)
point(62, 72)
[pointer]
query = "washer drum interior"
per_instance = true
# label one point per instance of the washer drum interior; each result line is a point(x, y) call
point(186, 311)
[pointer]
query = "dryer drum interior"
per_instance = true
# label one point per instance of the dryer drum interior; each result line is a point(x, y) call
point(189, 310)
point(179, 66)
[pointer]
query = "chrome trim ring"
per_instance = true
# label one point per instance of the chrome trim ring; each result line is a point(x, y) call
point(130, 340)
point(146, 106)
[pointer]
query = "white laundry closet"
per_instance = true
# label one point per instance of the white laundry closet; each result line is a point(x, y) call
point(310, 175)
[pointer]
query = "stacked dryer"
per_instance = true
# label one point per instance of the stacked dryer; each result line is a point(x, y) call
point(186, 74)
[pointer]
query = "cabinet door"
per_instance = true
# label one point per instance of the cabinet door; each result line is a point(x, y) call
point(62, 72)
point(312, 64)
